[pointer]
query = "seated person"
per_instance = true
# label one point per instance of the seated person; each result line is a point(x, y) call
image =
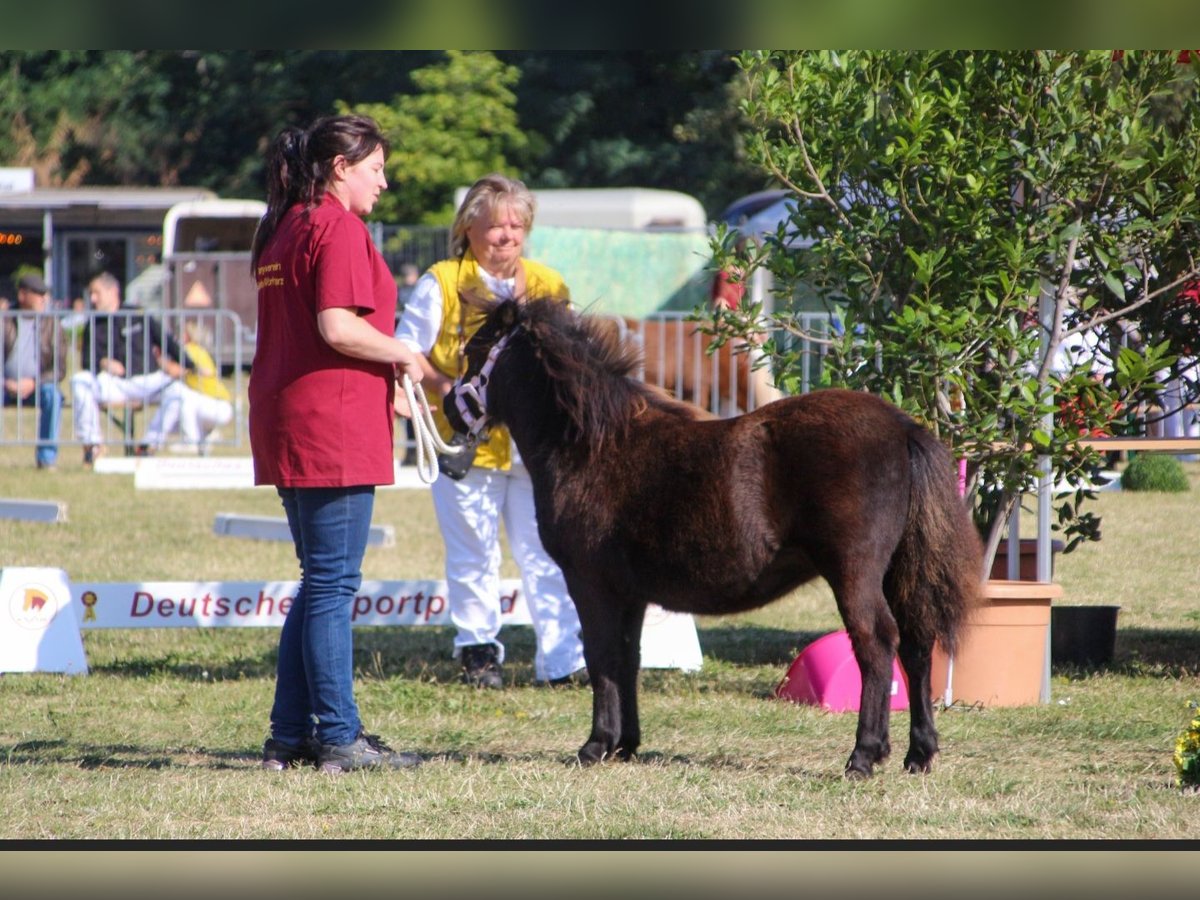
point(34, 351)
point(124, 359)
point(196, 405)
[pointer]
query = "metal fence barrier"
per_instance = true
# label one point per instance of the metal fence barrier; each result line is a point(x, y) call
point(121, 426)
point(726, 381)
point(675, 353)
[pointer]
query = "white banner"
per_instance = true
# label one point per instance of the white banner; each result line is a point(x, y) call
point(669, 640)
point(241, 604)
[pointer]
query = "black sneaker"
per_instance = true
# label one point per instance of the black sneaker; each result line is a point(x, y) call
point(481, 666)
point(367, 752)
point(278, 756)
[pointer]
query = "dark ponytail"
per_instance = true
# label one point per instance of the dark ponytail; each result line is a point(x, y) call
point(300, 164)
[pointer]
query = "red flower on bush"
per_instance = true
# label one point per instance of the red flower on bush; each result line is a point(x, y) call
point(1077, 412)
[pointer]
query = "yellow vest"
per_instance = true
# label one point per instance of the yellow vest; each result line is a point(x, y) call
point(203, 376)
point(455, 275)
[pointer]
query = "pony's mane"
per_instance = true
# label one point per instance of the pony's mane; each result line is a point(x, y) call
point(593, 366)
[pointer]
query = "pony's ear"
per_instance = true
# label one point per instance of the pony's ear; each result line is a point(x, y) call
point(476, 301)
point(508, 314)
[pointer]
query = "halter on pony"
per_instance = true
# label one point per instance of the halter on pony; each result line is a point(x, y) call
point(475, 389)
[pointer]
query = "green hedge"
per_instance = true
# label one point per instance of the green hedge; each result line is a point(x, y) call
point(1154, 472)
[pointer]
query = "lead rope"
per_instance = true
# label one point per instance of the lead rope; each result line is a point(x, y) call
point(429, 442)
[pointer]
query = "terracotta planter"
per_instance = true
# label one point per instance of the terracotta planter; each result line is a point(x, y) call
point(1027, 570)
point(1002, 656)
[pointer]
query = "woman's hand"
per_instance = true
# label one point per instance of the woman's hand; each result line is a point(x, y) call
point(409, 364)
point(400, 402)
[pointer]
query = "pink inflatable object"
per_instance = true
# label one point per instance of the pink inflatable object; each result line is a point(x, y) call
point(826, 674)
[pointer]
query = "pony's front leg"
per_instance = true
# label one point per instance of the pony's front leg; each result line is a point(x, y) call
point(601, 649)
point(630, 671)
point(606, 716)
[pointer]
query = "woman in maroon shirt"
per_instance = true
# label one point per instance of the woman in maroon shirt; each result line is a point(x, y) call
point(321, 399)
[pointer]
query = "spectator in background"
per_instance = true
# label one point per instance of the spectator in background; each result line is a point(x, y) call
point(409, 274)
point(197, 405)
point(123, 359)
point(726, 294)
point(35, 350)
point(728, 289)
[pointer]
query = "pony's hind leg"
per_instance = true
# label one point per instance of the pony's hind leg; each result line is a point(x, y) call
point(917, 658)
point(873, 635)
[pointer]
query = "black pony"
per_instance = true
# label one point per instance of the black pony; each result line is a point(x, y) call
point(641, 497)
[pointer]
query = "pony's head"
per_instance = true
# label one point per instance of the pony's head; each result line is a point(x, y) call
point(541, 354)
point(466, 405)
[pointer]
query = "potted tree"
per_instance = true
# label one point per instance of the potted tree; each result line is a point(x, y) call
point(964, 216)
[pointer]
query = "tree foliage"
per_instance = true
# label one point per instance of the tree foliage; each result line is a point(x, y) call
point(636, 118)
point(948, 204)
point(459, 124)
point(581, 119)
point(156, 117)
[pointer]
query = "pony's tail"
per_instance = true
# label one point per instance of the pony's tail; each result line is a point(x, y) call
point(936, 573)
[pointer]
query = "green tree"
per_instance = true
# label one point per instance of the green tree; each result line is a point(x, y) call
point(459, 124)
point(949, 203)
point(637, 118)
point(154, 117)
point(59, 109)
point(664, 119)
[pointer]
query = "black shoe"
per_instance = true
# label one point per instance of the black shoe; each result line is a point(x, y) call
point(278, 756)
point(578, 678)
point(367, 752)
point(481, 666)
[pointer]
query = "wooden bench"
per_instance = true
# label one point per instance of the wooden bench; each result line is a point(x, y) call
point(1143, 444)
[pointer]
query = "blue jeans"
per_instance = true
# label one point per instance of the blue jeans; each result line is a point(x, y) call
point(314, 683)
point(50, 404)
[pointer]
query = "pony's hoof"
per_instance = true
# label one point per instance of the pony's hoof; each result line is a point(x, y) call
point(857, 772)
point(918, 765)
point(590, 754)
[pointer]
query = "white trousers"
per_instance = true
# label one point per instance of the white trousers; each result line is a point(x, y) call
point(89, 390)
point(469, 513)
point(193, 412)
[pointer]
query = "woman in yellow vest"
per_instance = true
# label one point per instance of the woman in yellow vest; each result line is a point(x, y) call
point(487, 240)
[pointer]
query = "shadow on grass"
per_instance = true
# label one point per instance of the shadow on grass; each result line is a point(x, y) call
point(94, 757)
point(1149, 653)
point(754, 645)
point(114, 756)
point(425, 653)
point(258, 666)
point(379, 652)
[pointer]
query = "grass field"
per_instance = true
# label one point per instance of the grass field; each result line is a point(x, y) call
point(162, 738)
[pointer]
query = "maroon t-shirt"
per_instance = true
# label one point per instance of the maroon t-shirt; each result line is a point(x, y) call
point(319, 418)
